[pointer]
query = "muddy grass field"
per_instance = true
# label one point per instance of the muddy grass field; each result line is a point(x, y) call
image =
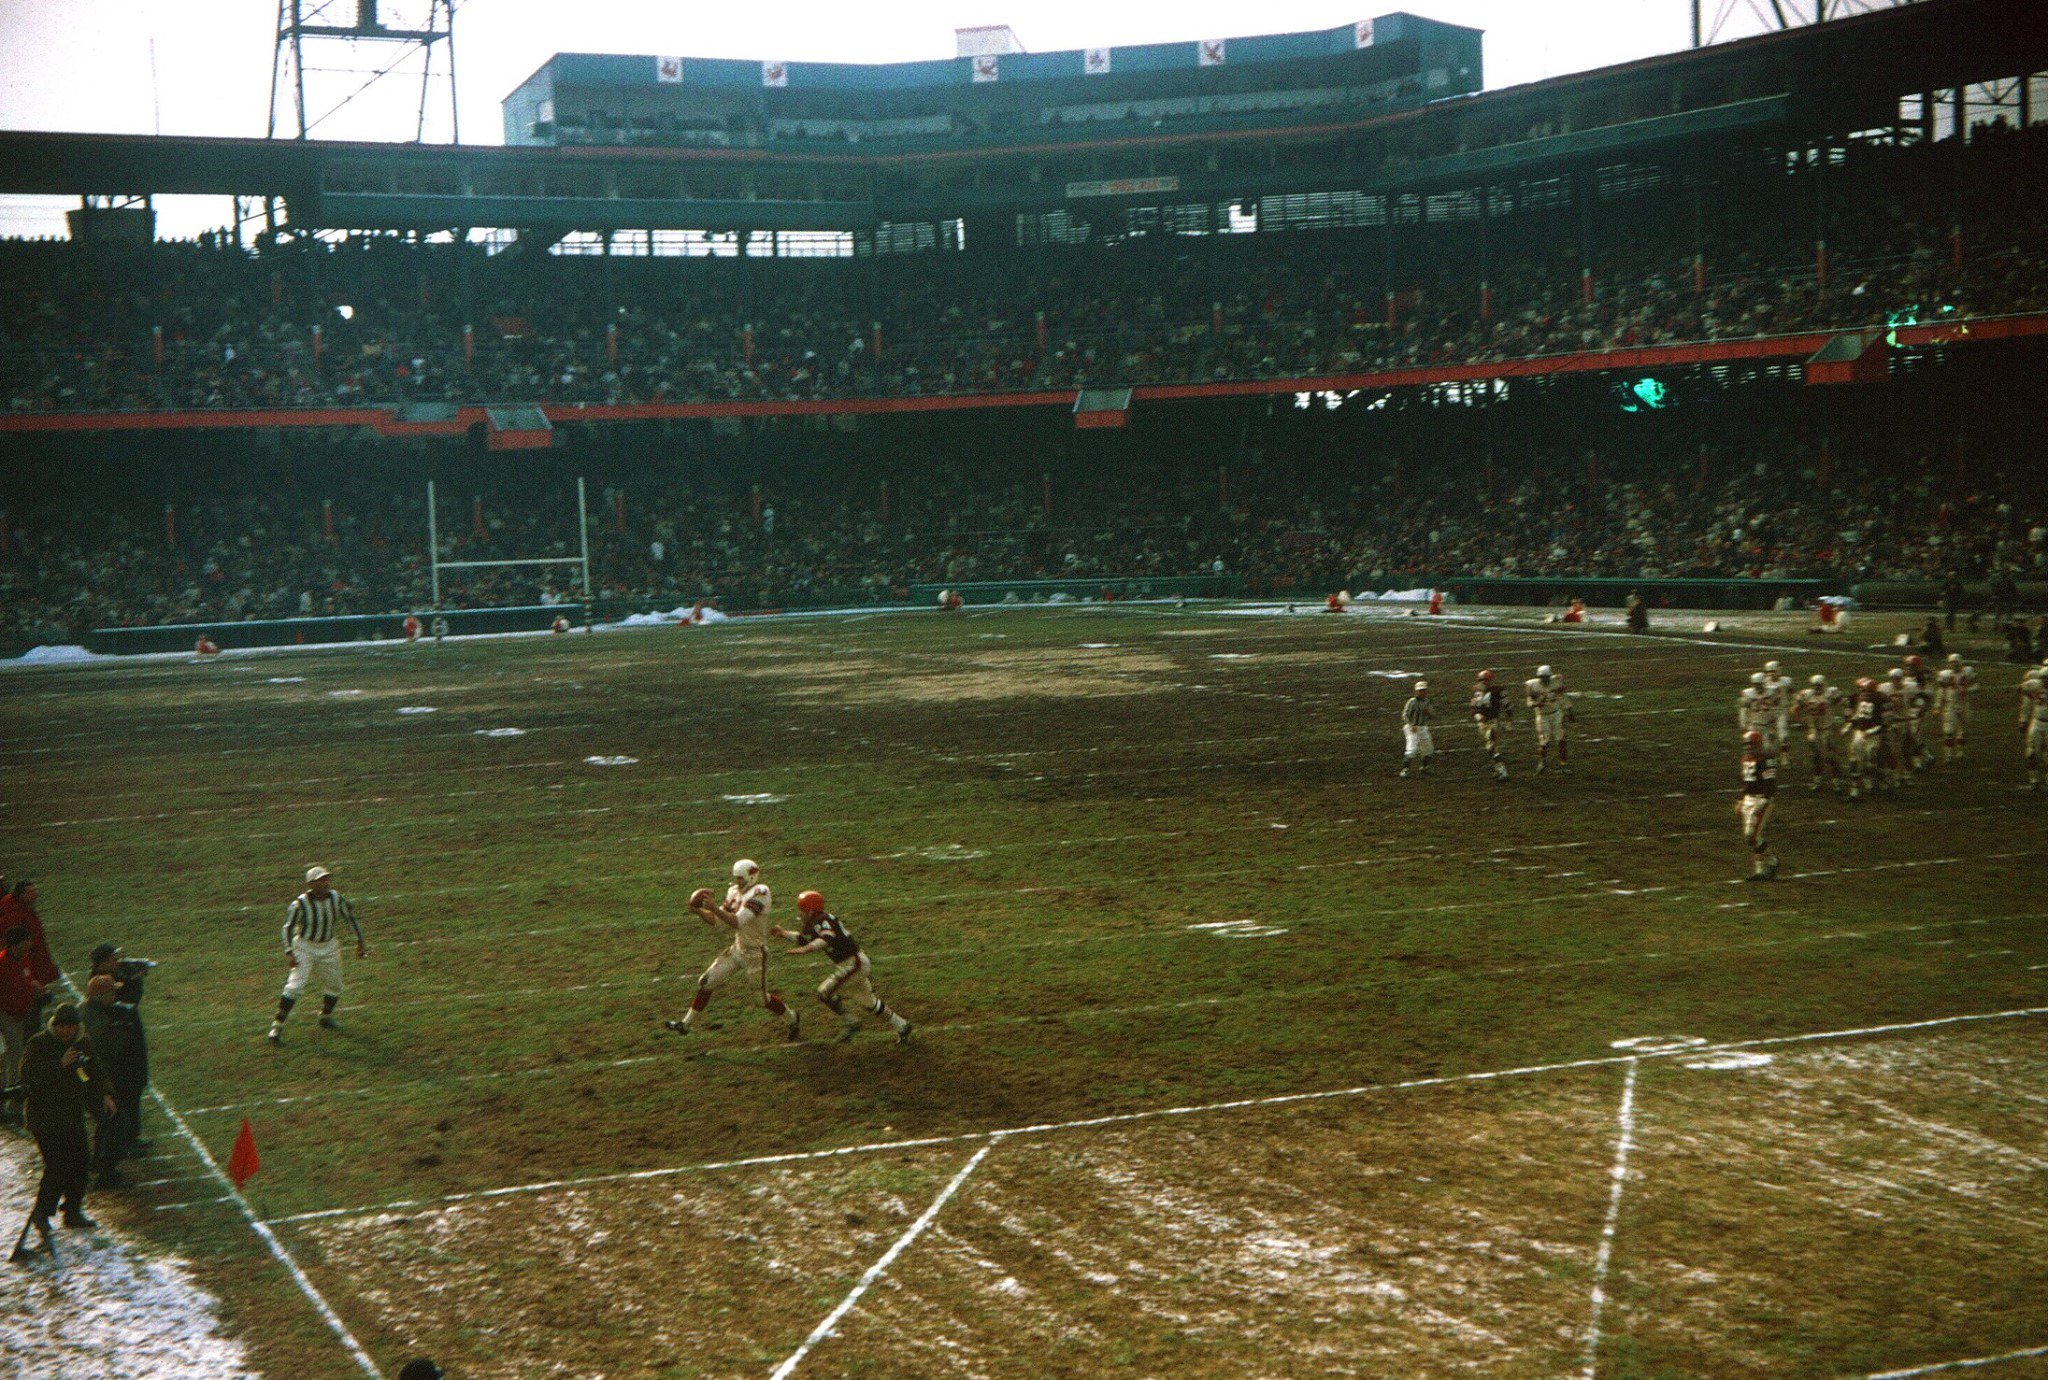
point(1235, 1055)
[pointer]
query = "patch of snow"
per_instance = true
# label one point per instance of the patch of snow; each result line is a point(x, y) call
point(107, 1310)
point(501, 733)
point(65, 655)
point(287, 680)
point(418, 709)
point(611, 761)
point(1735, 1059)
point(761, 798)
point(343, 694)
point(1097, 646)
point(1395, 675)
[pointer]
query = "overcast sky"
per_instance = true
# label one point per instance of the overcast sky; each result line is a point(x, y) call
point(87, 64)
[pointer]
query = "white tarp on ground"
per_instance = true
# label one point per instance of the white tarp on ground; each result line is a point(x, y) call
point(1402, 596)
point(106, 1310)
point(57, 656)
point(673, 616)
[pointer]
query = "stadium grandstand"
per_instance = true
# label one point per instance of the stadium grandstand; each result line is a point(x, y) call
point(1177, 246)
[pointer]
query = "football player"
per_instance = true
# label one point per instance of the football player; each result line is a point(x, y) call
point(850, 981)
point(745, 913)
point(1755, 712)
point(2034, 727)
point(1918, 696)
point(1490, 716)
point(1958, 682)
point(1544, 693)
point(1866, 740)
point(1759, 784)
point(1417, 747)
point(1778, 686)
point(1817, 709)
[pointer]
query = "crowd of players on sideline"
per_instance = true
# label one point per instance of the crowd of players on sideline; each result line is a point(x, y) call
point(334, 535)
point(234, 328)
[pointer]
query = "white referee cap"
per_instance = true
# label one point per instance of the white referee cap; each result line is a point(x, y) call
point(315, 873)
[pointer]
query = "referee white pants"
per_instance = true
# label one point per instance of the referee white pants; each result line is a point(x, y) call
point(316, 962)
point(1417, 745)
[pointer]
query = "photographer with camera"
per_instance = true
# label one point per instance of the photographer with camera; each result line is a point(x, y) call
point(116, 1034)
point(64, 1082)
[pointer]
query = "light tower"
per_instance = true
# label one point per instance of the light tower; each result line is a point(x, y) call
point(355, 44)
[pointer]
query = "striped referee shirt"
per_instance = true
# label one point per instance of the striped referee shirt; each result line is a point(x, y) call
point(317, 921)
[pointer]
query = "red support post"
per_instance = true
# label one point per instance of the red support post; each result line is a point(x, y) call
point(1699, 275)
point(619, 511)
point(327, 518)
point(747, 342)
point(1586, 286)
point(1216, 318)
point(319, 344)
point(1038, 327)
point(611, 343)
point(469, 347)
point(1393, 317)
point(878, 342)
point(156, 346)
point(1485, 300)
point(757, 502)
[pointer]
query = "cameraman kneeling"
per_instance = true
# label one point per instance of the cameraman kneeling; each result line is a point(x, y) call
point(116, 1034)
point(64, 1082)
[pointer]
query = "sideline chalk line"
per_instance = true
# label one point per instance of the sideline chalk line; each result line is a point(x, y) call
point(875, 1271)
point(1148, 1114)
point(258, 1225)
point(1625, 1120)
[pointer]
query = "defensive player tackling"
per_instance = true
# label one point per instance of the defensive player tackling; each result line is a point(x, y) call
point(851, 984)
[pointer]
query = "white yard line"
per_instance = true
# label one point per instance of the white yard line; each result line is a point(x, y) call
point(1154, 1113)
point(1617, 1177)
point(876, 1270)
point(1973, 1362)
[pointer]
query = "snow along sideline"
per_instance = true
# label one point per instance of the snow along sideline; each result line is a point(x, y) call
point(108, 1309)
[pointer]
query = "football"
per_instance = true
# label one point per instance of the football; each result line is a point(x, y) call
point(702, 896)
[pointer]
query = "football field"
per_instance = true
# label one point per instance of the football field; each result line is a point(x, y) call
point(1235, 1054)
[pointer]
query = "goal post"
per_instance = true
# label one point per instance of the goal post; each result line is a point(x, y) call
point(582, 560)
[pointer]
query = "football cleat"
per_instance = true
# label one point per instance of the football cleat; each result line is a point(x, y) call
point(275, 1036)
point(679, 1027)
point(796, 1026)
point(903, 1035)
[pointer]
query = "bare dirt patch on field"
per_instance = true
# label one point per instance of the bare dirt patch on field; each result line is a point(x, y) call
point(975, 676)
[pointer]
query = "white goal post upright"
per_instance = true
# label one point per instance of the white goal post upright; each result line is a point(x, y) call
point(436, 565)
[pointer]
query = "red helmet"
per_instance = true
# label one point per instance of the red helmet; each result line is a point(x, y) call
point(1754, 739)
point(810, 902)
point(1486, 677)
point(1914, 662)
point(1865, 683)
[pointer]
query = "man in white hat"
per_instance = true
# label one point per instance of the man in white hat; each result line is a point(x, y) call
point(312, 946)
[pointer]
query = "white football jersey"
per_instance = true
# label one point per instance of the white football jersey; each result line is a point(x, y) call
point(1817, 708)
point(2033, 701)
point(750, 905)
point(1544, 699)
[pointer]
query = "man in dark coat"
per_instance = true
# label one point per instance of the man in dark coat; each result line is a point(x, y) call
point(116, 1034)
point(65, 1081)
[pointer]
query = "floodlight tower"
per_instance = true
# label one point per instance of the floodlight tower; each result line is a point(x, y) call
point(390, 34)
point(1779, 14)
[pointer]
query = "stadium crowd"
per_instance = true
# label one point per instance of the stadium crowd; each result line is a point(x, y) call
point(379, 320)
point(337, 533)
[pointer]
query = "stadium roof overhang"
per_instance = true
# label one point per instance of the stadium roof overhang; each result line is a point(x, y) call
point(1823, 80)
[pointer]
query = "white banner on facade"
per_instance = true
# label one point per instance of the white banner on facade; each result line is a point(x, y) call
point(986, 68)
point(1209, 52)
point(774, 74)
point(668, 69)
point(1124, 186)
point(1361, 34)
point(1095, 61)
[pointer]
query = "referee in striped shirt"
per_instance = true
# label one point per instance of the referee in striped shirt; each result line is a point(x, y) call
point(312, 945)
